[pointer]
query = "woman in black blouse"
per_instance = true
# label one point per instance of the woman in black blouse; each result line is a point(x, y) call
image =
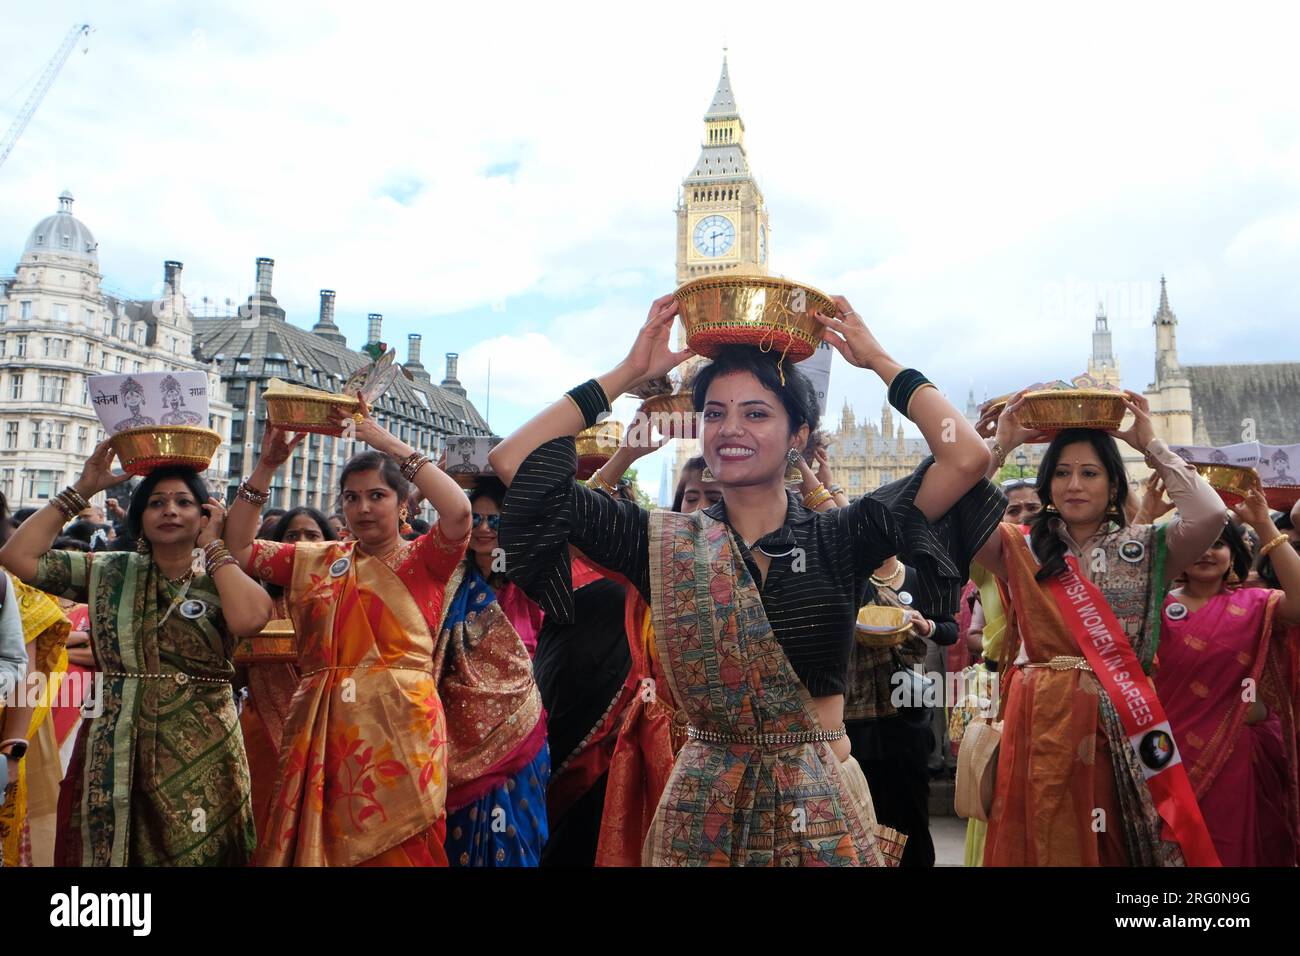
point(810, 570)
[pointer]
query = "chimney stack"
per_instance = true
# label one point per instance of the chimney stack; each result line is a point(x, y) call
point(326, 307)
point(264, 267)
point(172, 276)
point(451, 383)
point(375, 320)
point(413, 349)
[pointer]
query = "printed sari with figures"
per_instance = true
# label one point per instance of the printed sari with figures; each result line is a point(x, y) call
point(498, 764)
point(1228, 677)
point(27, 821)
point(363, 761)
point(158, 776)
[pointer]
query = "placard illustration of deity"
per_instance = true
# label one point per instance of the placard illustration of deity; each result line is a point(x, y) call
point(133, 399)
point(173, 396)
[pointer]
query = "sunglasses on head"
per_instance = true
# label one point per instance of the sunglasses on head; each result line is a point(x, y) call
point(1015, 484)
point(493, 521)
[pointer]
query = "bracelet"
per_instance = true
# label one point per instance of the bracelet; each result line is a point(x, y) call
point(597, 481)
point(837, 490)
point(816, 497)
point(413, 463)
point(216, 544)
point(14, 747)
point(903, 387)
point(1280, 539)
point(221, 562)
point(70, 502)
point(998, 452)
point(591, 401)
point(64, 508)
point(252, 495)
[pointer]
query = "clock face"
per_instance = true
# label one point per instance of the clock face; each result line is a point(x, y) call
point(762, 244)
point(714, 235)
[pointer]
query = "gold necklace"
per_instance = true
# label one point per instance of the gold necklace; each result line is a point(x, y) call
point(894, 580)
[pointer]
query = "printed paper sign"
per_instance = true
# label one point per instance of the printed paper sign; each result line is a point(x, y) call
point(818, 369)
point(468, 455)
point(1279, 465)
point(1244, 454)
point(150, 398)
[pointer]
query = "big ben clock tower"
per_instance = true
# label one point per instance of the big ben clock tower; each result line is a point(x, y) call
point(721, 220)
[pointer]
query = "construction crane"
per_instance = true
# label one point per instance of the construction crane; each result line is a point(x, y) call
point(42, 87)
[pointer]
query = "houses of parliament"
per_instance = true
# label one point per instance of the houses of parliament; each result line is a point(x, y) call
point(723, 224)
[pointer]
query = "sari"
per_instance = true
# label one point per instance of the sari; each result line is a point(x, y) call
point(362, 776)
point(978, 684)
point(27, 819)
point(269, 661)
point(1069, 789)
point(1244, 775)
point(498, 762)
point(158, 776)
point(739, 803)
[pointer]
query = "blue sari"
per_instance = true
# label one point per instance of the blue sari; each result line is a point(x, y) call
point(498, 761)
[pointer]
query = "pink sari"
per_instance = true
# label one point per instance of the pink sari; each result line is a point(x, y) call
point(1244, 775)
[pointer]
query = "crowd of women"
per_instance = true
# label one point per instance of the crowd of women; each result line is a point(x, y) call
point(553, 674)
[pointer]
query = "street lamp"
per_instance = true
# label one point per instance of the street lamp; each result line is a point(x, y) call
point(1022, 459)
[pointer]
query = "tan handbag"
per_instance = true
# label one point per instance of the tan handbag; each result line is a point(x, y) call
point(977, 766)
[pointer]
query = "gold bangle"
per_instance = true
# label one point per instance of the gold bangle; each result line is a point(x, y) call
point(919, 389)
point(1280, 539)
point(597, 481)
point(816, 497)
point(998, 452)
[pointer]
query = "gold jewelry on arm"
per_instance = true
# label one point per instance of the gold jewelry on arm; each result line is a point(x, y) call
point(1273, 543)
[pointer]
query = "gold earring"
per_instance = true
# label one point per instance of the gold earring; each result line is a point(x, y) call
point(1050, 509)
point(792, 473)
point(707, 475)
point(142, 545)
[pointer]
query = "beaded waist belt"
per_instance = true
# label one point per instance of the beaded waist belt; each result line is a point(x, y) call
point(180, 677)
point(766, 740)
point(1063, 663)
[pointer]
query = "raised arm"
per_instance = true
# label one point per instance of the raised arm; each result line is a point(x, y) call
point(651, 356)
point(1286, 563)
point(36, 535)
point(246, 511)
point(960, 456)
point(638, 441)
point(245, 605)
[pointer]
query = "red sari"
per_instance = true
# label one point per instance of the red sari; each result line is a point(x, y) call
point(363, 762)
point(1244, 775)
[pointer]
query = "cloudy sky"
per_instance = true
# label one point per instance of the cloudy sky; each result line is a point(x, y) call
point(503, 179)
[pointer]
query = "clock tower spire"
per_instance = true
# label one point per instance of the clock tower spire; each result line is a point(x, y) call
point(722, 220)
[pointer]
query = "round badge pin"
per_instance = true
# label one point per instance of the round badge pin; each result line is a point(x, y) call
point(905, 597)
point(1156, 749)
point(1132, 551)
point(193, 610)
point(1176, 611)
point(340, 567)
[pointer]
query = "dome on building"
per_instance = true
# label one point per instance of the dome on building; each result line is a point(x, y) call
point(63, 234)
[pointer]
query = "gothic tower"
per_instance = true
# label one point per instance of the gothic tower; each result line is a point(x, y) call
point(1170, 394)
point(1102, 365)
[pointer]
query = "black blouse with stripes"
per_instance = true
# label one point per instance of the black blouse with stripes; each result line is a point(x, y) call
point(812, 610)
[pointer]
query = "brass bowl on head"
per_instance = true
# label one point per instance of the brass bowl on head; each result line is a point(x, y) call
point(1282, 497)
point(141, 450)
point(1232, 482)
point(881, 625)
point(673, 415)
point(597, 444)
point(1055, 409)
point(301, 409)
point(739, 309)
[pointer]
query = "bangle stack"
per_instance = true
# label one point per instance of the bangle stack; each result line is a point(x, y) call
point(816, 497)
point(904, 387)
point(590, 400)
point(252, 495)
point(597, 481)
point(216, 555)
point(1273, 543)
point(70, 502)
point(413, 463)
point(999, 453)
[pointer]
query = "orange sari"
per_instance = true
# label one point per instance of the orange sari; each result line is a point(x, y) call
point(363, 765)
point(1065, 793)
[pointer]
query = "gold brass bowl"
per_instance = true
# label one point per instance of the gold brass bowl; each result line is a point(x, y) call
point(881, 625)
point(738, 309)
point(672, 415)
point(1055, 409)
point(1232, 482)
point(141, 450)
point(596, 445)
point(301, 409)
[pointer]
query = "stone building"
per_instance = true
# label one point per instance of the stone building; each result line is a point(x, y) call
point(259, 343)
point(57, 328)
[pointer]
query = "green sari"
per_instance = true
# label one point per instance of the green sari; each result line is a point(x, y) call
point(159, 777)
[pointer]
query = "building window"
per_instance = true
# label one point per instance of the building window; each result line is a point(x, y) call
point(60, 313)
point(60, 435)
point(11, 434)
point(90, 317)
point(137, 367)
point(25, 309)
point(85, 390)
point(7, 483)
point(3, 342)
point(83, 436)
point(4, 313)
point(107, 324)
point(41, 484)
point(103, 360)
point(15, 386)
point(120, 364)
point(90, 355)
point(21, 350)
point(52, 387)
point(99, 435)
